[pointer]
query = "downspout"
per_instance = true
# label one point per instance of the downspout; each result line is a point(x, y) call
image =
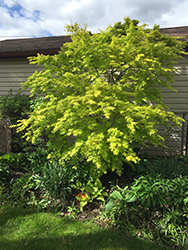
point(183, 127)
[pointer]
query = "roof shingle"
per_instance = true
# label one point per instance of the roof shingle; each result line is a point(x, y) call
point(176, 32)
point(32, 46)
point(51, 45)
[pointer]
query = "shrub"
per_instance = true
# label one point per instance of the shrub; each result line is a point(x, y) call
point(42, 183)
point(6, 174)
point(59, 179)
point(184, 160)
point(56, 180)
point(168, 168)
point(22, 186)
point(33, 157)
point(15, 107)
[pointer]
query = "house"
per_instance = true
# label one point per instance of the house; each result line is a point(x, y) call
point(14, 66)
point(15, 69)
point(178, 101)
point(176, 138)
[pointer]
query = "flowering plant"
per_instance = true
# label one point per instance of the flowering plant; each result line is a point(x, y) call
point(82, 200)
point(90, 192)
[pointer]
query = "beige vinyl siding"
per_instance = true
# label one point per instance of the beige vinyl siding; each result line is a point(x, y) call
point(178, 101)
point(174, 140)
point(13, 72)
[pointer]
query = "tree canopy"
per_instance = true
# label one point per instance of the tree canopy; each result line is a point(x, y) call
point(101, 89)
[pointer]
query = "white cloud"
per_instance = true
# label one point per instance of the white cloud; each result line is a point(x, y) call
point(177, 16)
point(16, 25)
point(96, 13)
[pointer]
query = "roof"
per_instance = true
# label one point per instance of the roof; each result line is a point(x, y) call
point(176, 32)
point(32, 46)
point(51, 45)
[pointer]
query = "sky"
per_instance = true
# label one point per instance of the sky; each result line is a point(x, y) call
point(39, 18)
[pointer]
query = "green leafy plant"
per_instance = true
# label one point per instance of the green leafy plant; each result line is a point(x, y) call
point(15, 107)
point(22, 186)
point(117, 197)
point(101, 90)
point(6, 174)
point(44, 184)
point(167, 167)
point(11, 159)
point(51, 180)
point(41, 201)
point(27, 190)
point(117, 209)
point(90, 192)
point(57, 179)
point(32, 158)
point(174, 226)
point(72, 212)
point(153, 207)
point(184, 160)
point(80, 169)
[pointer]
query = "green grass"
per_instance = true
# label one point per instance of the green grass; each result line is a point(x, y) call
point(24, 229)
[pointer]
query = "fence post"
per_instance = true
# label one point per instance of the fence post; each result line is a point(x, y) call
point(183, 127)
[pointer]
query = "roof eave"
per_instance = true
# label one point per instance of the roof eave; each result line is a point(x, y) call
point(28, 53)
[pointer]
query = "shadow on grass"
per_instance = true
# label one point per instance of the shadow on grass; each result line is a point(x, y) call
point(105, 240)
point(8, 213)
point(23, 229)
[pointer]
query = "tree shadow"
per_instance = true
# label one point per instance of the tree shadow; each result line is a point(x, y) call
point(14, 212)
point(65, 234)
point(105, 240)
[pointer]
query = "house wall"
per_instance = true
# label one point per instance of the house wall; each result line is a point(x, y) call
point(13, 72)
point(178, 101)
point(176, 138)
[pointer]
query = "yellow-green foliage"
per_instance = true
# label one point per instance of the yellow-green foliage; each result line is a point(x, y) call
point(101, 89)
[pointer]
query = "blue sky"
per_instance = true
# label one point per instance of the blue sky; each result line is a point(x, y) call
point(13, 10)
point(16, 22)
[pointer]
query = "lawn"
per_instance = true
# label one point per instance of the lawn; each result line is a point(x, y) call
point(27, 229)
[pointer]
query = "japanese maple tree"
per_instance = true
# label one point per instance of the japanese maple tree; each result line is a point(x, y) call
point(101, 89)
